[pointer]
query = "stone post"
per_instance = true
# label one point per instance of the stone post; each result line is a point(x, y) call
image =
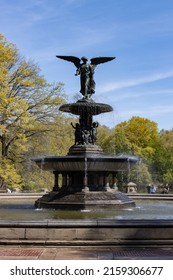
point(106, 183)
point(56, 182)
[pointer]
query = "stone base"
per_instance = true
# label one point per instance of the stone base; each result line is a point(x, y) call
point(84, 199)
point(85, 150)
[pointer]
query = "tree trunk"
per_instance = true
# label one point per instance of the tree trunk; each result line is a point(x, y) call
point(4, 156)
point(2, 183)
point(4, 147)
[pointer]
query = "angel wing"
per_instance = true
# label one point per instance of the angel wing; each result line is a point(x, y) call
point(98, 60)
point(75, 60)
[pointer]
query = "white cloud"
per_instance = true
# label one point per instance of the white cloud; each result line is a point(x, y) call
point(150, 111)
point(134, 82)
point(161, 109)
point(128, 95)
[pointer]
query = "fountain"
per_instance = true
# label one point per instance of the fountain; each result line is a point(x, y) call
point(88, 180)
point(88, 175)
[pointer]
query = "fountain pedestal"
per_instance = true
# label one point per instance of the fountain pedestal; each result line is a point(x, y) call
point(84, 200)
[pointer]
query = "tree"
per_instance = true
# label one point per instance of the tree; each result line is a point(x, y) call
point(103, 135)
point(54, 142)
point(162, 164)
point(9, 175)
point(117, 142)
point(136, 136)
point(27, 104)
point(140, 175)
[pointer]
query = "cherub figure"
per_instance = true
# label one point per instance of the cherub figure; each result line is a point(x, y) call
point(77, 133)
point(94, 132)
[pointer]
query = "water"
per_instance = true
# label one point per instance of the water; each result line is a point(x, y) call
point(145, 209)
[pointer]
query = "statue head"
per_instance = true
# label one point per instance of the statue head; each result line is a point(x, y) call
point(84, 58)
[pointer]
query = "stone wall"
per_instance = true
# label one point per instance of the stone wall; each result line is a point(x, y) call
point(87, 232)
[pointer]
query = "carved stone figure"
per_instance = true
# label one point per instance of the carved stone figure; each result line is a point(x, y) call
point(77, 133)
point(94, 132)
point(86, 137)
point(86, 71)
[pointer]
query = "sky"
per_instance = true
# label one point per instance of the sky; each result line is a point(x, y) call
point(139, 82)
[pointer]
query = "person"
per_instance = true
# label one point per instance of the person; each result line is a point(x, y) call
point(149, 188)
point(166, 189)
point(153, 189)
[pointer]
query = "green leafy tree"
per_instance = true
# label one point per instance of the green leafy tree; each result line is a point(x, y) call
point(103, 137)
point(141, 176)
point(136, 136)
point(56, 141)
point(27, 104)
point(162, 164)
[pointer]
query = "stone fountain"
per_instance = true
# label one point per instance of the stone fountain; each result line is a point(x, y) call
point(86, 174)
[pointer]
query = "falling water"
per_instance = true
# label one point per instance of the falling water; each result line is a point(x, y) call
point(85, 175)
point(42, 164)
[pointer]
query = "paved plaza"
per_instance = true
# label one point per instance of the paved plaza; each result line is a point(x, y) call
point(85, 253)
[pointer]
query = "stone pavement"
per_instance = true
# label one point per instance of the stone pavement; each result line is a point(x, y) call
point(85, 253)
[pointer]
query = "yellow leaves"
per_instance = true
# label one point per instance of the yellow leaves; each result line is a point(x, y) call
point(9, 174)
point(13, 111)
point(21, 144)
point(140, 130)
point(28, 104)
point(138, 136)
point(2, 129)
point(166, 139)
point(15, 119)
point(8, 53)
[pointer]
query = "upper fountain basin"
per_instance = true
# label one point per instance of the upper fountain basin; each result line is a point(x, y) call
point(83, 106)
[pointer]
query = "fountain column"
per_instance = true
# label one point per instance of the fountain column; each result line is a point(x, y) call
point(56, 182)
point(114, 186)
point(85, 178)
point(101, 181)
point(64, 179)
point(106, 182)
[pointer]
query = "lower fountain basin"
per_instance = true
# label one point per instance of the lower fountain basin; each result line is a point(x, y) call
point(87, 181)
point(22, 207)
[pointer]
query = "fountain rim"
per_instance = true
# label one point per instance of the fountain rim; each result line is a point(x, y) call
point(75, 108)
point(78, 163)
point(90, 158)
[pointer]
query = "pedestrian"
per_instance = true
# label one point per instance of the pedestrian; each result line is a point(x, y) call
point(149, 188)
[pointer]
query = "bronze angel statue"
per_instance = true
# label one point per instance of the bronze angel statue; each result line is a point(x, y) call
point(86, 71)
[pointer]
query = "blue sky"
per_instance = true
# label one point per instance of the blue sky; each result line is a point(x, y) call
point(139, 33)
